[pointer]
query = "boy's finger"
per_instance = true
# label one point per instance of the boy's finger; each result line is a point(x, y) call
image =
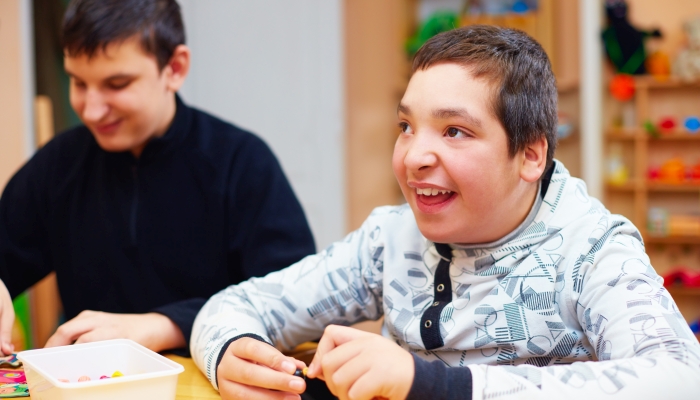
point(246, 372)
point(234, 390)
point(262, 353)
point(333, 336)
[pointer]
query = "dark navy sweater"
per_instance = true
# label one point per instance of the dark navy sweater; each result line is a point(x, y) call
point(205, 206)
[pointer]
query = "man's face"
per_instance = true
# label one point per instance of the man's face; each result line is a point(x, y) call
point(121, 96)
point(452, 146)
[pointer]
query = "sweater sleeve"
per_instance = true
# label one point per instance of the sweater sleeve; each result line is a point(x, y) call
point(267, 226)
point(644, 349)
point(341, 285)
point(22, 230)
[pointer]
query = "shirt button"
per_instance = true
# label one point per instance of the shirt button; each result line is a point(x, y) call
point(440, 287)
point(428, 323)
point(437, 303)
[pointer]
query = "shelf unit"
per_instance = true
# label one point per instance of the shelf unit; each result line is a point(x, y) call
point(639, 148)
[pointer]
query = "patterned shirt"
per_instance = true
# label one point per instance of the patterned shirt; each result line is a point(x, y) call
point(566, 305)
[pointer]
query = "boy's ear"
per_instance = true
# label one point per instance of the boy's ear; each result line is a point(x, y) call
point(534, 160)
point(177, 68)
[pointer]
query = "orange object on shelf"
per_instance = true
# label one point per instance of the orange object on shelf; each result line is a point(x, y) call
point(684, 225)
point(622, 87)
point(672, 171)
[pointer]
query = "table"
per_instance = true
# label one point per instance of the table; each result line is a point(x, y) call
point(192, 384)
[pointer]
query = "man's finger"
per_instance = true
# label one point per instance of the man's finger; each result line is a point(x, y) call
point(6, 321)
point(67, 333)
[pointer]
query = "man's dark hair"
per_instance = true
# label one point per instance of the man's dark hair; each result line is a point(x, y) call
point(525, 92)
point(90, 26)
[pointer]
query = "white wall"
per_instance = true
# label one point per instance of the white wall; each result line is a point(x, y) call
point(275, 67)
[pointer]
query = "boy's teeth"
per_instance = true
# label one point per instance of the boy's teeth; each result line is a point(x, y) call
point(430, 192)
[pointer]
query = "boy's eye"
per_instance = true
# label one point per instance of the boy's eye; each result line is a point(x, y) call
point(118, 85)
point(79, 84)
point(455, 133)
point(404, 127)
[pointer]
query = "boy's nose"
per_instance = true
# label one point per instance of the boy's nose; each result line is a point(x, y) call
point(420, 154)
point(95, 107)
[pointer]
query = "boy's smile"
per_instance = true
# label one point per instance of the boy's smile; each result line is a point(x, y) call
point(452, 163)
point(121, 95)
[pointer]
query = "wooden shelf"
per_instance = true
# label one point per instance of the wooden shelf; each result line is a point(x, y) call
point(622, 134)
point(677, 136)
point(678, 290)
point(651, 82)
point(671, 239)
point(681, 187)
point(567, 86)
point(625, 187)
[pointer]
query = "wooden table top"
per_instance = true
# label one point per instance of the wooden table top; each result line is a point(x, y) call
point(192, 384)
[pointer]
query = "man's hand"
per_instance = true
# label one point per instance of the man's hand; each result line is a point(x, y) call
point(7, 319)
point(360, 365)
point(251, 369)
point(154, 331)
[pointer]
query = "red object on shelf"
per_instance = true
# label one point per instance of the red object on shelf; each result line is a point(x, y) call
point(683, 276)
point(695, 172)
point(667, 124)
point(622, 87)
point(653, 173)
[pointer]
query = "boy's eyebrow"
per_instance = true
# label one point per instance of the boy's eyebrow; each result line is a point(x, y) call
point(445, 113)
point(403, 109)
point(109, 78)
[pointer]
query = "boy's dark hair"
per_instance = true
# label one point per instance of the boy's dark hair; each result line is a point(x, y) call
point(90, 25)
point(525, 92)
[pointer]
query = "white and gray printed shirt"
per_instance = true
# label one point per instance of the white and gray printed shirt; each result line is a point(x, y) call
point(566, 306)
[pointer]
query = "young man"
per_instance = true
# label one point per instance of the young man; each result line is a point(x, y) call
point(500, 266)
point(151, 206)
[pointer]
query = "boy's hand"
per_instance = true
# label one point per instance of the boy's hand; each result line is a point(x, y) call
point(7, 319)
point(251, 369)
point(362, 365)
point(152, 330)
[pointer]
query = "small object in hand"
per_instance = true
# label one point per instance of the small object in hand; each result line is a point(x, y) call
point(301, 373)
point(104, 377)
point(117, 374)
point(84, 378)
point(10, 360)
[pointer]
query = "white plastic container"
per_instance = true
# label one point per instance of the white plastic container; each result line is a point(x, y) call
point(146, 374)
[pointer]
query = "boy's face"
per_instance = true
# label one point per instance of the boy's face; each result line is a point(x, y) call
point(452, 146)
point(121, 95)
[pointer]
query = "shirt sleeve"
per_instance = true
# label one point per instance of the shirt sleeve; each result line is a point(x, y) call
point(22, 230)
point(341, 285)
point(644, 349)
point(182, 313)
point(267, 226)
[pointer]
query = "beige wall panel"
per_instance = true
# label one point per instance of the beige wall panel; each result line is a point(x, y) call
point(12, 97)
point(375, 66)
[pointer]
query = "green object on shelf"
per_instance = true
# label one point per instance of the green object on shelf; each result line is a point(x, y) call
point(441, 21)
point(651, 129)
point(23, 319)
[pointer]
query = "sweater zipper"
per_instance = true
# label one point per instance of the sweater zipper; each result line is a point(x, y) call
point(134, 204)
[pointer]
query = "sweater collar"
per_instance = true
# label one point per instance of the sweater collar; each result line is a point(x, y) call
point(171, 140)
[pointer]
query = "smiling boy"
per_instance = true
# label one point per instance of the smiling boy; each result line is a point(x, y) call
point(149, 207)
point(501, 278)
